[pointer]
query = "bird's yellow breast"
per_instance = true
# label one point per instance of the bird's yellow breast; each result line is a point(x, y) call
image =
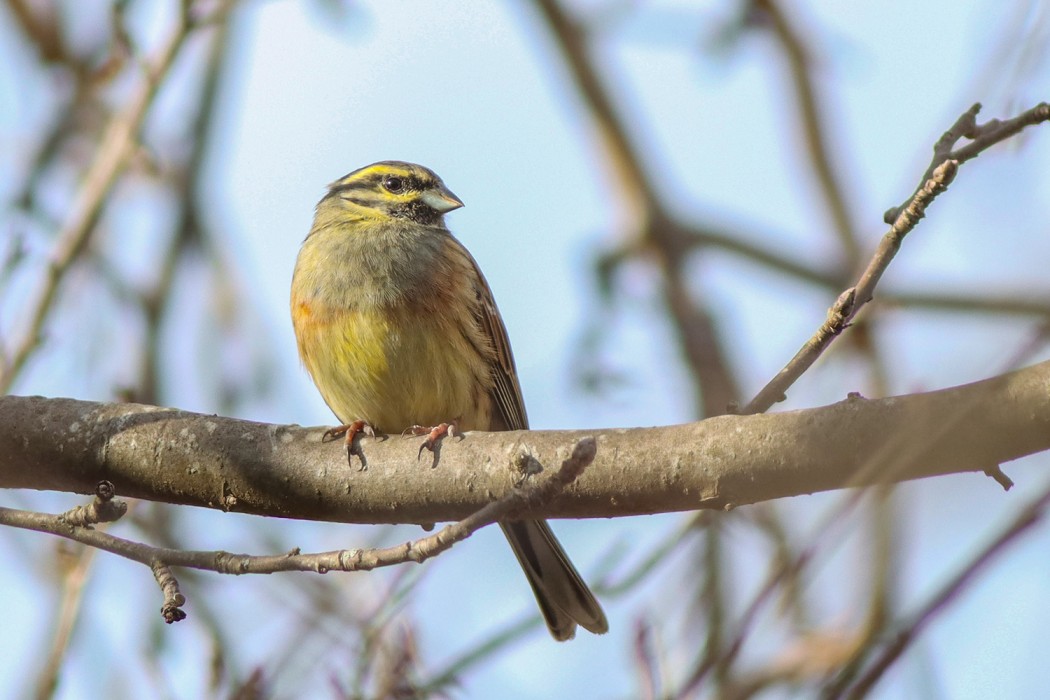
point(393, 367)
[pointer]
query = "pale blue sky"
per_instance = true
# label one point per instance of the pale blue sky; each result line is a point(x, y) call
point(475, 91)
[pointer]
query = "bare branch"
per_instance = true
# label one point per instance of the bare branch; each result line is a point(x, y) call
point(982, 137)
point(814, 129)
point(101, 510)
point(512, 505)
point(854, 298)
point(286, 471)
point(115, 148)
point(161, 559)
point(903, 219)
point(173, 599)
point(908, 631)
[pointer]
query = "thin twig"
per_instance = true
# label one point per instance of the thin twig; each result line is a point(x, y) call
point(104, 509)
point(981, 137)
point(813, 125)
point(171, 611)
point(854, 298)
point(937, 178)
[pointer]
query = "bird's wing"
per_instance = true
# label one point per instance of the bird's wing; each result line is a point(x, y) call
point(509, 406)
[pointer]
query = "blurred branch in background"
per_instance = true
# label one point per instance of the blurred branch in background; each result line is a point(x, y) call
point(651, 231)
point(119, 139)
point(651, 234)
point(129, 127)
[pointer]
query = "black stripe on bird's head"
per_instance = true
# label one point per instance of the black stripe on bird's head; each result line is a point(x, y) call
point(394, 189)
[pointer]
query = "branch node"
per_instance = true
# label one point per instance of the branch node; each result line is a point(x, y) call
point(103, 509)
point(105, 490)
point(525, 464)
point(351, 560)
point(964, 127)
point(996, 472)
point(227, 563)
point(173, 599)
point(840, 313)
point(581, 456)
point(229, 499)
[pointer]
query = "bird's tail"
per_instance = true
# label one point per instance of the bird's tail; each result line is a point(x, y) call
point(565, 600)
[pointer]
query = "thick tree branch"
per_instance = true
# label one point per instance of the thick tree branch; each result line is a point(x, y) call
point(286, 471)
point(75, 525)
point(159, 558)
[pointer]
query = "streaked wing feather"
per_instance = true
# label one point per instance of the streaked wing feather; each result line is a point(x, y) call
point(563, 597)
point(506, 390)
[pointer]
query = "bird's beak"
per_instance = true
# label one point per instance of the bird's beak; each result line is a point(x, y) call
point(441, 200)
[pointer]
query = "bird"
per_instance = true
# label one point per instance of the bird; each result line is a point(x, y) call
point(398, 328)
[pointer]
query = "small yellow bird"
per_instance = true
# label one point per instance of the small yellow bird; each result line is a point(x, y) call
point(398, 329)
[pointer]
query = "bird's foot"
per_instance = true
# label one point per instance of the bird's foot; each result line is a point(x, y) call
point(351, 431)
point(434, 436)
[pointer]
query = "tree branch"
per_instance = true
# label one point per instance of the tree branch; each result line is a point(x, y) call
point(510, 506)
point(75, 525)
point(902, 219)
point(114, 150)
point(904, 634)
point(286, 471)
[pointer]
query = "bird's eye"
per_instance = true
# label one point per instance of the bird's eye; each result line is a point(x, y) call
point(394, 184)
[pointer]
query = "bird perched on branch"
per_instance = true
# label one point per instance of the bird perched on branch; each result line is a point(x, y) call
point(398, 329)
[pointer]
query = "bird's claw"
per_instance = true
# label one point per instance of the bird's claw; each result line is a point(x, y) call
point(434, 436)
point(353, 446)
